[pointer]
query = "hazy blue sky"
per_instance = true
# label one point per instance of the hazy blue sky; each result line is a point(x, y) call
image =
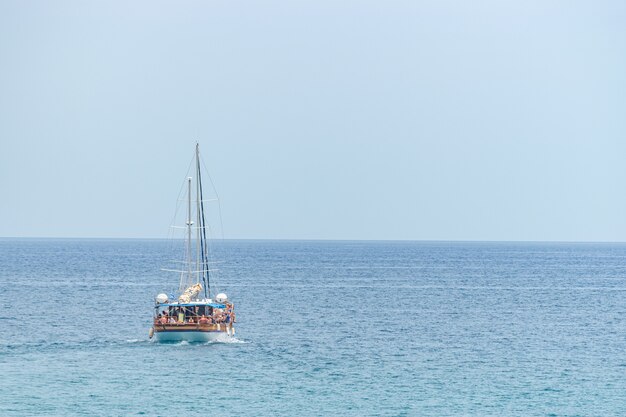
point(471, 120)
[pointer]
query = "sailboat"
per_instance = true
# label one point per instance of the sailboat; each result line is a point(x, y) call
point(194, 315)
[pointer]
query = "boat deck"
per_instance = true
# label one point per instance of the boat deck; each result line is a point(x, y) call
point(188, 327)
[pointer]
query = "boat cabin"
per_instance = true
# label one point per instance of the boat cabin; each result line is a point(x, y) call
point(204, 312)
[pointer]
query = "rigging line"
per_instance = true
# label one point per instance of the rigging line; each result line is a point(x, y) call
point(208, 200)
point(219, 203)
point(170, 234)
point(198, 232)
point(210, 256)
point(180, 192)
point(185, 263)
point(205, 275)
point(219, 211)
point(186, 249)
point(186, 227)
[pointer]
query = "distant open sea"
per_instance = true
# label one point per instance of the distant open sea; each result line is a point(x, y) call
point(324, 329)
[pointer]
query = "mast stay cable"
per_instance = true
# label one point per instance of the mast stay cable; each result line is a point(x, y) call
point(202, 225)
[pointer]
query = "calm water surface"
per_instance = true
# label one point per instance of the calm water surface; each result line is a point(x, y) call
point(324, 328)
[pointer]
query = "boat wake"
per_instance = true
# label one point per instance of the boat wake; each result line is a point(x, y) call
point(228, 340)
point(16, 347)
point(220, 341)
point(44, 345)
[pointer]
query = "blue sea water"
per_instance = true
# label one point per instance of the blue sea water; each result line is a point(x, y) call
point(324, 328)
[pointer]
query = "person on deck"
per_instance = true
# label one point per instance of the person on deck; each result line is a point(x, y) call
point(218, 316)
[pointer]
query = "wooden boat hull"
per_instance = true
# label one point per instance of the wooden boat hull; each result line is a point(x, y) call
point(193, 333)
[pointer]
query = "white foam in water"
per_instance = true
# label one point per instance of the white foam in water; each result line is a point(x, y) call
point(221, 340)
point(226, 340)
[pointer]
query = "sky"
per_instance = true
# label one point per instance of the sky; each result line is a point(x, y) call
point(420, 120)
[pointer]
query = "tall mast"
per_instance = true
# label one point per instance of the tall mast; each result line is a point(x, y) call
point(189, 223)
point(202, 227)
point(198, 223)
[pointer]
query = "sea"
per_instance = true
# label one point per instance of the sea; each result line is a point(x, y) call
point(324, 328)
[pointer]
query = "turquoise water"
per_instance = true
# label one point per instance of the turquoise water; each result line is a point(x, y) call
point(324, 328)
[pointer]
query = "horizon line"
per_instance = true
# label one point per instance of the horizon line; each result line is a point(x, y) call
point(312, 239)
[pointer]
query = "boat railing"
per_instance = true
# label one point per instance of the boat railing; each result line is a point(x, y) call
point(174, 320)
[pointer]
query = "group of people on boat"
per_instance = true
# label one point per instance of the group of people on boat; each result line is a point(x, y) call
point(196, 315)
